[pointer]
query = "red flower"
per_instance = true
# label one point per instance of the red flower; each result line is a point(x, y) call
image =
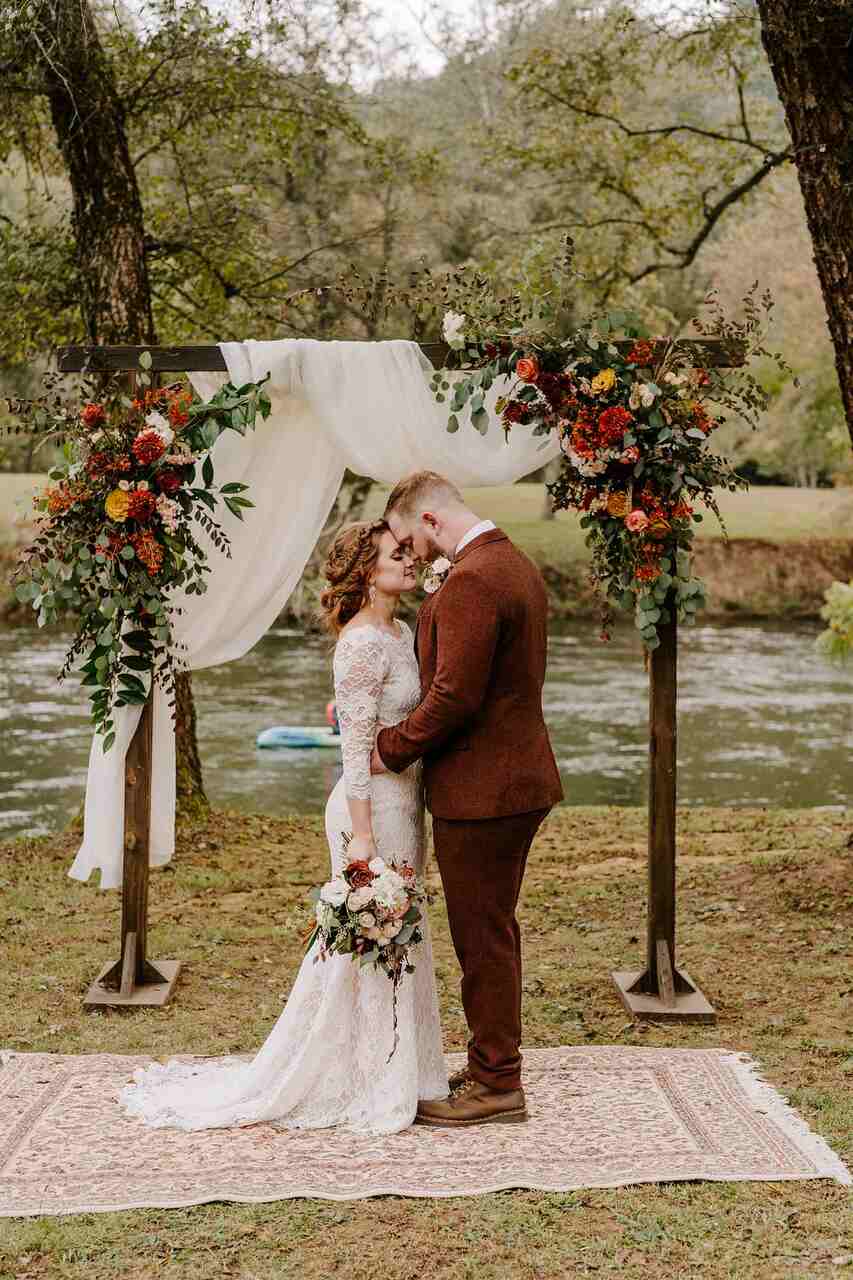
point(121, 463)
point(168, 482)
point(98, 463)
point(148, 447)
point(141, 504)
point(613, 423)
point(642, 353)
point(358, 873)
point(93, 415)
point(517, 411)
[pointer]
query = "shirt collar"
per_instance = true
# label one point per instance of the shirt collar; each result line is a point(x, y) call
point(483, 527)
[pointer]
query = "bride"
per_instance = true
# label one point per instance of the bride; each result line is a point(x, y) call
point(325, 1060)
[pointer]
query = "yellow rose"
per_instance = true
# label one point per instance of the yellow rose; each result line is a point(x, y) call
point(117, 504)
point(618, 505)
point(603, 382)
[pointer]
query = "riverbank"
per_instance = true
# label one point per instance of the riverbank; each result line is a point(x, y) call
point(765, 925)
point(785, 547)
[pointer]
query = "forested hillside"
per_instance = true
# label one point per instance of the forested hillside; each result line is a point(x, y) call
point(271, 169)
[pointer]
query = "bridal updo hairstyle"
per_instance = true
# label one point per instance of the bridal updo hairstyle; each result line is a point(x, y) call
point(349, 564)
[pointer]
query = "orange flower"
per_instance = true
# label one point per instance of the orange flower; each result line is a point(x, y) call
point(59, 499)
point(148, 550)
point(92, 415)
point(659, 528)
point(618, 505)
point(527, 369)
point(178, 405)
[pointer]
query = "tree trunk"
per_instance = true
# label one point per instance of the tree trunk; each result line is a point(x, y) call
point(115, 295)
point(809, 44)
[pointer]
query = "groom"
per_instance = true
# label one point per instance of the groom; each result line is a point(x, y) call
point(489, 771)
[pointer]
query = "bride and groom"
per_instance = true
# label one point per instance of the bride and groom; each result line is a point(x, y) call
point(452, 714)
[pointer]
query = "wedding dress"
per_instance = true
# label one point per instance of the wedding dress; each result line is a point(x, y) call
point(325, 1061)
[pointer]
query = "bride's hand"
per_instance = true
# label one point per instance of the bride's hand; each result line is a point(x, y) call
point(361, 847)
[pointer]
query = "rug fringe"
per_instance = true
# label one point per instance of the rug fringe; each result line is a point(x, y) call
point(769, 1100)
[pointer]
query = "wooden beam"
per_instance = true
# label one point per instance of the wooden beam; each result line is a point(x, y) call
point(197, 359)
point(656, 990)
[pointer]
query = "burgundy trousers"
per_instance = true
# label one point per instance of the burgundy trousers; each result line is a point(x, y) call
point(482, 864)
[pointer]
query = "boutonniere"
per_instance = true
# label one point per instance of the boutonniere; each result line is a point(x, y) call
point(438, 571)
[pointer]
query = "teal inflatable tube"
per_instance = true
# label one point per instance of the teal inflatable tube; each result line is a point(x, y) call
point(299, 737)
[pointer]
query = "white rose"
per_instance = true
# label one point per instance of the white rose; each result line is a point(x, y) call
point(452, 328)
point(367, 920)
point(124, 485)
point(335, 891)
point(431, 585)
point(376, 865)
point(647, 395)
point(441, 565)
point(359, 898)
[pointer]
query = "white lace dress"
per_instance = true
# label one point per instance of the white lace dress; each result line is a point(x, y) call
point(324, 1062)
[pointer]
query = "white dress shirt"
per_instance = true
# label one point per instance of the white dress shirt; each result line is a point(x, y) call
point(483, 527)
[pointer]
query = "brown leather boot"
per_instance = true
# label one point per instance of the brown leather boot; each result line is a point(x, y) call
point(474, 1103)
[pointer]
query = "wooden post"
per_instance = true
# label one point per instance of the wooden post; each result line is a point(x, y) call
point(132, 980)
point(661, 992)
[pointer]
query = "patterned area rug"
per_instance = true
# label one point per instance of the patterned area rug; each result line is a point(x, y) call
point(599, 1117)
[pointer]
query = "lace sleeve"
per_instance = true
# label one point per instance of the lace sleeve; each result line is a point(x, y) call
point(360, 667)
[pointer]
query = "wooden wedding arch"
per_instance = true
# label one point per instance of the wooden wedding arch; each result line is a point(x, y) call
point(659, 992)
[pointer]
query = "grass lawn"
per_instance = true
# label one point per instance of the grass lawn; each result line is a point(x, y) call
point(766, 926)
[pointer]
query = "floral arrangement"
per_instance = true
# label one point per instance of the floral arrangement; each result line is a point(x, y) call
point(436, 574)
point(117, 528)
point(633, 418)
point(370, 912)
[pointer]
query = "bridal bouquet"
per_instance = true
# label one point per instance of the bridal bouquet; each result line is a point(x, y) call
point(370, 912)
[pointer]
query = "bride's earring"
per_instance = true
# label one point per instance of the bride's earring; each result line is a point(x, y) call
point(371, 593)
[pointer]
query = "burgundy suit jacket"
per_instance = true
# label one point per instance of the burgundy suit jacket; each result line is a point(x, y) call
point(481, 642)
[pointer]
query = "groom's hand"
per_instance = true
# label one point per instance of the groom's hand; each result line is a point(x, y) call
point(376, 765)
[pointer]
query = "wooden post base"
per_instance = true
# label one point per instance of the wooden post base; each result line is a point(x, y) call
point(681, 1006)
point(139, 997)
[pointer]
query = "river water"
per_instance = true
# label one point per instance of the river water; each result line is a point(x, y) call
point(762, 721)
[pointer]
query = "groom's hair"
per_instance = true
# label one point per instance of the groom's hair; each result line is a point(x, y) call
point(424, 489)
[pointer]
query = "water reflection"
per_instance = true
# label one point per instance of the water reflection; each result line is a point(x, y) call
point(762, 721)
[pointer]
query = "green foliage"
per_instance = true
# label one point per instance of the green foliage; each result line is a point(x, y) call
point(836, 642)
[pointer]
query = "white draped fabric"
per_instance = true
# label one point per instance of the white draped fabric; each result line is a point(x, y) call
point(335, 405)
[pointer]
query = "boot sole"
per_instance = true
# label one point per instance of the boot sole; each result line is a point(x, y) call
point(501, 1117)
